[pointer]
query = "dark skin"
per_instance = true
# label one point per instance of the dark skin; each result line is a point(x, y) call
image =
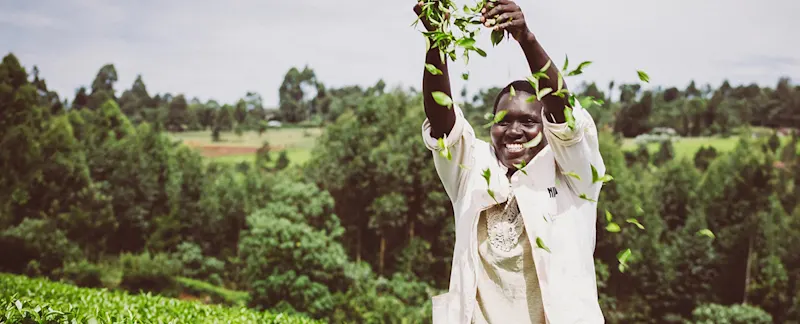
point(503, 15)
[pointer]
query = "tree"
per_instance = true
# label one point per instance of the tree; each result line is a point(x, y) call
point(294, 103)
point(178, 115)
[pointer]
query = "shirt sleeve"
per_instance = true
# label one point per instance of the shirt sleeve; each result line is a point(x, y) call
point(577, 150)
point(460, 143)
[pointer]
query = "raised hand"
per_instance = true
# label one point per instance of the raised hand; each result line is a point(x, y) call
point(505, 15)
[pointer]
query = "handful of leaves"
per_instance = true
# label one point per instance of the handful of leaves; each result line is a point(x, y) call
point(450, 41)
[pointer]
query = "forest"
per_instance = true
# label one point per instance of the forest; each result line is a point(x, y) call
point(96, 192)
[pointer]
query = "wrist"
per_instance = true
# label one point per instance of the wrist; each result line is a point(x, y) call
point(527, 38)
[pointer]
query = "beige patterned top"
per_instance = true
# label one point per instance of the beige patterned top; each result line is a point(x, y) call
point(508, 287)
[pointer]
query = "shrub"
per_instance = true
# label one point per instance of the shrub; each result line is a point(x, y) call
point(733, 314)
point(148, 273)
point(25, 300)
point(83, 274)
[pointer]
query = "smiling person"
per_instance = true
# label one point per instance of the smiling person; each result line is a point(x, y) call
point(525, 204)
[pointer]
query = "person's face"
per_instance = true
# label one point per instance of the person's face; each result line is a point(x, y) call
point(522, 123)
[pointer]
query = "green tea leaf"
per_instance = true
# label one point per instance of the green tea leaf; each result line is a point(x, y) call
point(545, 67)
point(585, 197)
point(571, 100)
point(622, 257)
point(566, 63)
point(540, 244)
point(432, 69)
point(634, 221)
point(491, 194)
point(540, 94)
point(511, 93)
point(487, 174)
point(580, 68)
point(613, 227)
point(643, 76)
point(572, 174)
point(706, 232)
point(445, 151)
point(569, 118)
point(520, 167)
point(560, 82)
point(534, 142)
point(608, 216)
point(479, 51)
point(442, 99)
point(596, 177)
point(497, 37)
point(500, 115)
point(465, 76)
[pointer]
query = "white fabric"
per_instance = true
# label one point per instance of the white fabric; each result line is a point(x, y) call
point(550, 207)
point(508, 287)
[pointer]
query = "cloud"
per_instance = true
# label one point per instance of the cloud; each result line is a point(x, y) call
point(221, 50)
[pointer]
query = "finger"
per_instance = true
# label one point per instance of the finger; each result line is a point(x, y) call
point(504, 17)
point(497, 10)
point(506, 25)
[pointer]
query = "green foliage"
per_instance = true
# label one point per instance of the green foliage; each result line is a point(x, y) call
point(196, 265)
point(25, 300)
point(290, 265)
point(83, 274)
point(734, 314)
point(36, 247)
point(216, 294)
point(149, 273)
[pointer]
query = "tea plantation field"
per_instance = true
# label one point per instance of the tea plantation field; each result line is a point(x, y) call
point(27, 300)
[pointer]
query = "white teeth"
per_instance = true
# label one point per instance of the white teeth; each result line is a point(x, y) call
point(514, 147)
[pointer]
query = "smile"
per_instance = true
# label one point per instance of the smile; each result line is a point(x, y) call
point(514, 148)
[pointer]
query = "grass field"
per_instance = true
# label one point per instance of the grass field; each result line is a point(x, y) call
point(688, 146)
point(297, 142)
point(27, 300)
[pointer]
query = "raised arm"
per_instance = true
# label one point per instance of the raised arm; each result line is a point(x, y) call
point(441, 118)
point(576, 148)
point(510, 18)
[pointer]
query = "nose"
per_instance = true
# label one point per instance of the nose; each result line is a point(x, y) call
point(514, 130)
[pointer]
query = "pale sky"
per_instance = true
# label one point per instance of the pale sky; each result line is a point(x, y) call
point(222, 49)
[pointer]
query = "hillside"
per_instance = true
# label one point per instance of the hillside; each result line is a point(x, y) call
point(23, 299)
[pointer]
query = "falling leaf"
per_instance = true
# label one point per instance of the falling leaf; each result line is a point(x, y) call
point(497, 118)
point(608, 216)
point(613, 227)
point(442, 99)
point(572, 174)
point(487, 174)
point(596, 178)
point(463, 167)
point(534, 142)
point(491, 194)
point(520, 167)
point(560, 82)
point(433, 69)
point(706, 232)
point(465, 76)
point(540, 244)
point(585, 197)
point(566, 63)
point(445, 152)
point(545, 67)
point(579, 69)
point(639, 209)
point(622, 257)
point(511, 93)
point(570, 119)
point(643, 76)
point(541, 93)
point(634, 221)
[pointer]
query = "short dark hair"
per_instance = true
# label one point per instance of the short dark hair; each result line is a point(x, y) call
point(519, 85)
